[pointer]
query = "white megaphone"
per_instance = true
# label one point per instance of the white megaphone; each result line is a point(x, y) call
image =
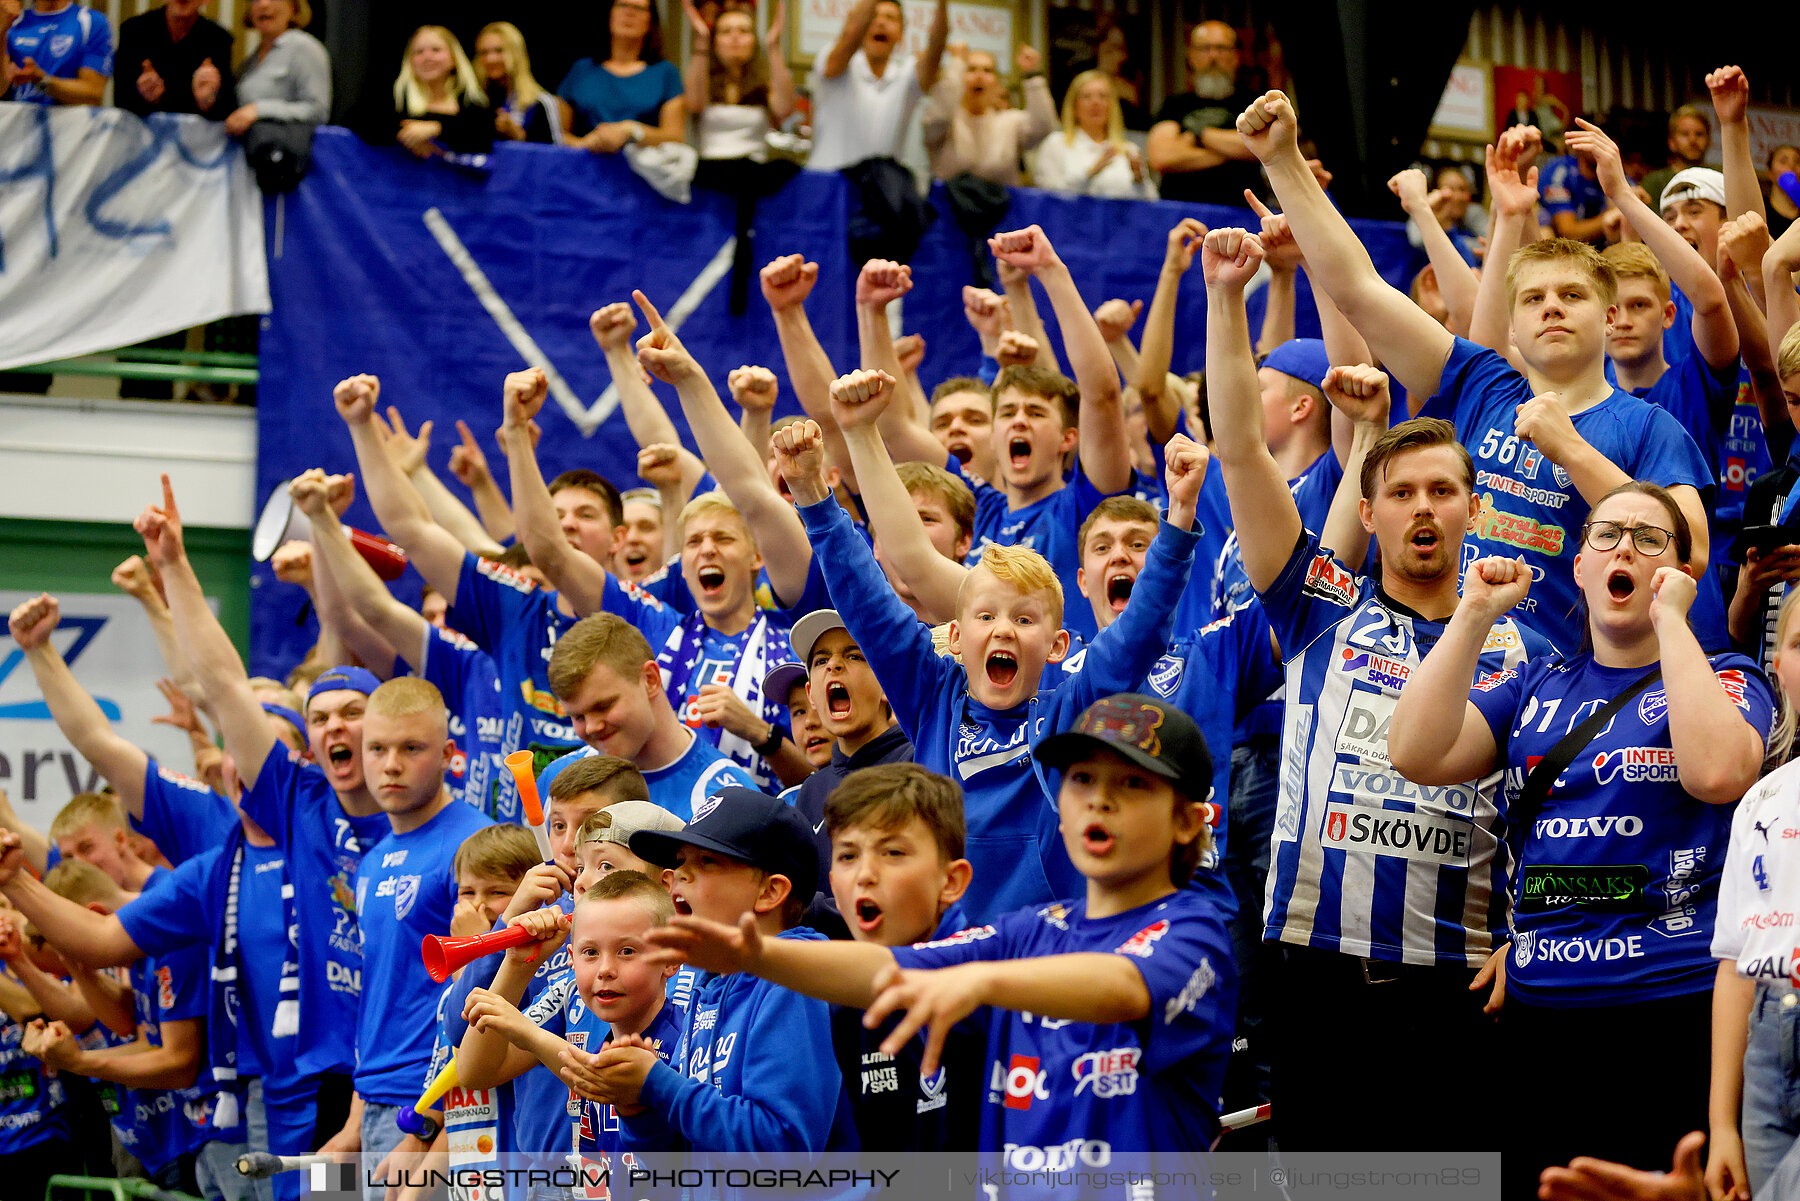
point(282, 522)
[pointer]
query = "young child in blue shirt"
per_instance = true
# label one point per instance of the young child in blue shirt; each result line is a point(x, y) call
point(613, 995)
point(1130, 1062)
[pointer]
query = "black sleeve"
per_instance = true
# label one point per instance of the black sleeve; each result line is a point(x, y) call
point(470, 131)
point(128, 63)
point(220, 53)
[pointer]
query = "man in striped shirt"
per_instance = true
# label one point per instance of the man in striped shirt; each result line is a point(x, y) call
point(1384, 899)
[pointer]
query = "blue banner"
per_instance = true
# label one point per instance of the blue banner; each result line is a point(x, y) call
point(441, 279)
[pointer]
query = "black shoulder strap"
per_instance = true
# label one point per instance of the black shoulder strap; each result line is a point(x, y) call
point(1537, 784)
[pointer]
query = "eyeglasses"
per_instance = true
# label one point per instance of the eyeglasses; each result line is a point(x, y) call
point(1648, 539)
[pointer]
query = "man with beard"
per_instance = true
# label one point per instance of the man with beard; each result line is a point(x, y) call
point(1194, 144)
point(1384, 900)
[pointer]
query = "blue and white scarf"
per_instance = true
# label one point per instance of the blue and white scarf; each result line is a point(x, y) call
point(763, 645)
point(222, 1037)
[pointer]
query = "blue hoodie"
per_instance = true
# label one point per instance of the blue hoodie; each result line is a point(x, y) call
point(1013, 843)
point(758, 1074)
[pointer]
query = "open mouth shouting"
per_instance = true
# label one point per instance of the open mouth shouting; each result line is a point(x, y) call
point(1096, 839)
point(340, 756)
point(635, 557)
point(1425, 539)
point(961, 448)
point(1002, 668)
point(1018, 453)
point(1118, 590)
point(1620, 585)
point(681, 904)
point(604, 998)
point(837, 701)
point(868, 915)
point(712, 581)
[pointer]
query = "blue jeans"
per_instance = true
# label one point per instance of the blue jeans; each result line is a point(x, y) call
point(1771, 1118)
point(1250, 823)
point(379, 1136)
point(215, 1170)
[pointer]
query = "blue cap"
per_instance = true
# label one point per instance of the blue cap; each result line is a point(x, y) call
point(340, 679)
point(1303, 358)
point(288, 715)
point(753, 826)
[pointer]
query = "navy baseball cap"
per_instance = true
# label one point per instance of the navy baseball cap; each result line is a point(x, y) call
point(1303, 358)
point(344, 679)
point(781, 678)
point(745, 824)
point(1144, 729)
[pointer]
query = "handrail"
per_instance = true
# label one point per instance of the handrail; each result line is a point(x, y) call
point(124, 369)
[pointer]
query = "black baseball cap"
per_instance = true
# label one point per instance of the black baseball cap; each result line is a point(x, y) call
point(1150, 732)
point(745, 824)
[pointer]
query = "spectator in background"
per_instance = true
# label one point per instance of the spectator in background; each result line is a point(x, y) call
point(57, 52)
point(1572, 198)
point(628, 92)
point(864, 92)
point(1092, 156)
point(1690, 137)
point(283, 92)
point(164, 51)
point(1782, 209)
point(737, 94)
point(440, 103)
point(1110, 59)
point(1194, 144)
point(1452, 201)
point(523, 110)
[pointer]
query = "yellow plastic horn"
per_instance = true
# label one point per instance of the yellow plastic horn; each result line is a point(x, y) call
point(443, 1083)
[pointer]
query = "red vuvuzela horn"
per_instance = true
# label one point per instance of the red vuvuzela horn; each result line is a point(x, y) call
point(444, 955)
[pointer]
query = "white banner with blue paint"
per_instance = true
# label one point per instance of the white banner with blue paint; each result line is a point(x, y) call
point(115, 229)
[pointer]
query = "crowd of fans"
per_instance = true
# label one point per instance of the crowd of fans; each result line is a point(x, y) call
point(1096, 733)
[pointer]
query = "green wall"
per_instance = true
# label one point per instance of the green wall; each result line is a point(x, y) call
point(79, 556)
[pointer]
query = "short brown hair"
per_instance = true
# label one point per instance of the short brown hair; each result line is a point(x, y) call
point(960, 383)
point(83, 883)
point(1552, 250)
point(934, 481)
point(1418, 433)
point(1117, 508)
point(617, 779)
point(1634, 260)
point(1045, 382)
point(626, 884)
point(598, 638)
point(889, 795)
point(87, 809)
point(1022, 568)
point(1689, 110)
point(505, 851)
point(593, 481)
point(301, 19)
point(514, 556)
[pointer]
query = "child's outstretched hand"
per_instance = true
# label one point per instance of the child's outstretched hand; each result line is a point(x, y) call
point(710, 946)
point(933, 999)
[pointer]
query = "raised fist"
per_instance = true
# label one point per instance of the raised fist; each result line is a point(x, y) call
point(355, 398)
point(1230, 257)
point(1116, 317)
point(523, 395)
point(788, 281)
point(881, 282)
point(613, 326)
point(32, 622)
point(753, 388)
point(1028, 249)
point(859, 398)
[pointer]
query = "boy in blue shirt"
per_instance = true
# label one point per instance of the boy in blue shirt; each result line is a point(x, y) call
point(1130, 1062)
point(59, 52)
point(34, 1124)
point(977, 720)
point(755, 1070)
point(405, 889)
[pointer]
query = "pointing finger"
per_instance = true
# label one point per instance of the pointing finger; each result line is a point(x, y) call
point(650, 314)
point(1256, 205)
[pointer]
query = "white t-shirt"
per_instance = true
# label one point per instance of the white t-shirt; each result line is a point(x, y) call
point(858, 116)
point(1759, 892)
point(727, 131)
point(1062, 167)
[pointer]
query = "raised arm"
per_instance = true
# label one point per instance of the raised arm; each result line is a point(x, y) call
point(1731, 101)
point(399, 626)
point(574, 573)
point(1407, 341)
point(1262, 508)
point(1742, 243)
point(784, 93)
point(1437, 735)
point(409, 453)
point(468, 463)
point(31, 839)
point(433, 550)
point(1779, 266)
point(1105, 449)
point(697, 78)
point(786, 283)
point(1359, 400)
point(96, 939)
point(1161, 407)
point(1022, 309)
point(55, 1000)
point(343, 634)
point(1715, 334)
point(741, 473)
point(857, 399)
point(849, 40)
point(1514, 214)
point(932, 57)
point(1718, 754)
point(133, 577)
point(1456, 279)
point(879, 284)
point(75, 712)
point(216, 663)
point(754, 391)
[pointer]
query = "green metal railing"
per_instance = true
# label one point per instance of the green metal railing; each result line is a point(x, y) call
point(65, 1188)
point(200, 366)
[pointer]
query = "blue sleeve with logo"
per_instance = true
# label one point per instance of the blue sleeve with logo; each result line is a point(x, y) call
point(183, 817)
point(1313, 593)
point(179, 911)
point(650, 616)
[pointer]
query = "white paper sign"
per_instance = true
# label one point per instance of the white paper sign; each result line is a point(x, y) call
point(1769, 128)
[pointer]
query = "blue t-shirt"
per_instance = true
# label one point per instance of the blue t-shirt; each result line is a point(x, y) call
point(1051, 526)
point(600, 97)
point(323, 846)
point(470, 682)
point(1618, 879)
point(1364, 861)
point(1703, 399)
point(62, 44)
point(1013, 841)
point(31, 1104)
point(157, 1125)
point(1057, 1088)
point(183, 817)
point(405, 889)
point(1566, 190)
point(680, 787)
point(1529, 506)
point(517, 623)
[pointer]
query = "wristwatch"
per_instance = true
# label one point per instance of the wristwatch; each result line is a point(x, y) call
point(768, 746)
point(638, 131)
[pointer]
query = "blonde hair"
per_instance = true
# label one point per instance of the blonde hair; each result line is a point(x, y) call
point(1115, 116)
point(1787, 356)
point(404, 696)
point(278, 692)
point(708, 504)
point(1556, 250)
point(409, 94)
point(300, 20)
point(87, 809)
point(505, 851)
point(1780, 747)
point(1022, 568)
point(1634, 260)
point(628, 885)
point(934, 481)
point(598, 638)
point(82, 883)
point(518, 60)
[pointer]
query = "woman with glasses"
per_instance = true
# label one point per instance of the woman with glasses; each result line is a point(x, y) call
point(628, 92)
point(1620, 824)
